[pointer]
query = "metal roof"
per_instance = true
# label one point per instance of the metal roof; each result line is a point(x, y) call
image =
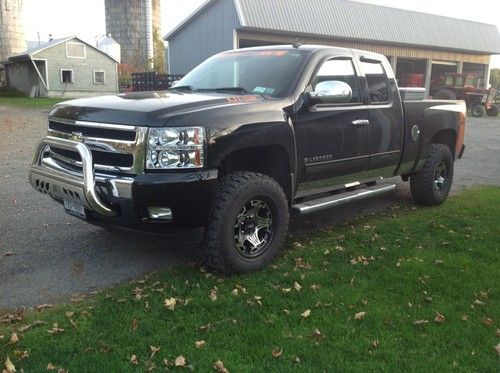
point(344, 19)
point(35, 49)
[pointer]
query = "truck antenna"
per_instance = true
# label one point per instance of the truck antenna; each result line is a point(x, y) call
point(297, 44)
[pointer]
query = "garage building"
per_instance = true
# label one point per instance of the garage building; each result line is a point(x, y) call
point(419, 46)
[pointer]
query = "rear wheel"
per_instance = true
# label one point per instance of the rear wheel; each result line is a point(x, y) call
point(432, 184)
point(494, 111)
point(445, 94)
point(248, 223)
point(478, 111)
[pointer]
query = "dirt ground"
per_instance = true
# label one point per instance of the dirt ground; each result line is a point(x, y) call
point(47, 256)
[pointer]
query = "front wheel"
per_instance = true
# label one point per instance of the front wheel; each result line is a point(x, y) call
point(248, 223)
point(478, 111)
point(494, 111)
point(432, 184)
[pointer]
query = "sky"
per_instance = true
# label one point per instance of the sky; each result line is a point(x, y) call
point(85, 18)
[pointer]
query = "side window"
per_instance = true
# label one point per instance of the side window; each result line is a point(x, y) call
point(340, 70)
point(378, 85)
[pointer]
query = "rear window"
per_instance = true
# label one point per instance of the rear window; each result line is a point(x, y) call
point(378, 85)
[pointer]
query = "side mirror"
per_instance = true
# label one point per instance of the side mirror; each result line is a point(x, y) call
point(331, 92)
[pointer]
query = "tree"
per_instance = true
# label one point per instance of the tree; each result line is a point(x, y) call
point(159, 51)
point(495, 78)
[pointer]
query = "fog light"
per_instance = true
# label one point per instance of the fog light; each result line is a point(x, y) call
point(160, 213)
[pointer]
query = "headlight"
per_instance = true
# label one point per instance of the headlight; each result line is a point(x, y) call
point(175, 147)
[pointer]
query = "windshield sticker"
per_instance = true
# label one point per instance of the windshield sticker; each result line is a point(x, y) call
point(269, 53)
point(260, 90)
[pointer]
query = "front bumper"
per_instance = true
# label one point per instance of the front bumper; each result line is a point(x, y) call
point(122, 200)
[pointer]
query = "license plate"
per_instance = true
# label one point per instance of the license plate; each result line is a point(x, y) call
point(75, 209)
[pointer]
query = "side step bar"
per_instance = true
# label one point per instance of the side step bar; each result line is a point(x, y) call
point(311, 206)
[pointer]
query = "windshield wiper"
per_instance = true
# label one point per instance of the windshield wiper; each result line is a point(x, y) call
point(182, 88)
point(225, 89)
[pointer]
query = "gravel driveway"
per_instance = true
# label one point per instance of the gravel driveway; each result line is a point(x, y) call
point(47, 256)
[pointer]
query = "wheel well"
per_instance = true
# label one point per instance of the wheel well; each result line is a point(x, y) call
point(272, 161)
point(446, 137)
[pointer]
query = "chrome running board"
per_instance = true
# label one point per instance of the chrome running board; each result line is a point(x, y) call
point(307, 207)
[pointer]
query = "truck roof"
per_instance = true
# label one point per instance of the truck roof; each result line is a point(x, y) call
point(313, 48)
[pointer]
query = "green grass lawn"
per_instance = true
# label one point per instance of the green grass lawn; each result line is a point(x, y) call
point(406, 290)
point(13, 98)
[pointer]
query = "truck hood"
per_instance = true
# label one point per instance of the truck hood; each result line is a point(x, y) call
point(151, 109)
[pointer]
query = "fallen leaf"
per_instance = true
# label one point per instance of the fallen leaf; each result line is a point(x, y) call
point(286, 290)
point(22, 329)
point(497, 333)
point(180, 361)
point(360, 315)
point(134, 360)
point(439, 318)
point(154, 351)
point(135, 324)
point(497, 349)
point(276, 352)
point(306, 313)
point(200, 344)
point(478, 302)
point(14, 338)
point(213, 294)
point(219, 367)
point(10, 368)
point(69, 314)
point(421, 322)
point(235, 292)
point(8, 253)
point(51, 366)
point(170, 303)
point(297, 286)
point(43, 307)
point(315, 287)
point(55, 329)
point(488, 322)
point(2, 336)
point(375, 343)
point(317, 335)
point(22, 354)
point(465, 317)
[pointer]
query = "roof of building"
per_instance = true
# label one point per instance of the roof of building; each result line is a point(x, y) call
point(35, 48)
point(344, 19)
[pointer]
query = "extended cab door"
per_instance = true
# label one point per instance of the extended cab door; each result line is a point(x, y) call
point(385, 116)
point(333, 138)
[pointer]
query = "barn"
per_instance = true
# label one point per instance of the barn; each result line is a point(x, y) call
point(419, 46)
point(66, 67)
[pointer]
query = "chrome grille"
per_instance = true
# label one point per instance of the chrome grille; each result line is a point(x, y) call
point(115, 148)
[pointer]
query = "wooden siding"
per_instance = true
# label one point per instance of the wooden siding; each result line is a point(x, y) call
point(388, 50)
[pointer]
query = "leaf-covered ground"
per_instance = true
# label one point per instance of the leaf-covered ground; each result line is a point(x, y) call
point(414, 290)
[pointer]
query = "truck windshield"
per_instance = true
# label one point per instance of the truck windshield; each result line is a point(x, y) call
point(263, 72)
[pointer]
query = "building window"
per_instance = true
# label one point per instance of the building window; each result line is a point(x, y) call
point(75, 50)
point(67, 76)
point(99, 77)
point(378, 85)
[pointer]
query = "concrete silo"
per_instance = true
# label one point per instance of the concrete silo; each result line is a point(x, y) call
point(135, 24)
point(11, 31)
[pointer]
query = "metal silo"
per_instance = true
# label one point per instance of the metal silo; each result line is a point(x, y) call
point(11, 28)
point(134, 25)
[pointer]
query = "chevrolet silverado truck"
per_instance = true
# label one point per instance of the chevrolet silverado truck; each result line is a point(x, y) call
point(245, 139)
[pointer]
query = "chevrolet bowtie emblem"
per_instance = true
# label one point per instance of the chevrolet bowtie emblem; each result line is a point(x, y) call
point(76, 136)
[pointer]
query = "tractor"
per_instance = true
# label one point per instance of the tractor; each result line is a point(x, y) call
point(454, 86)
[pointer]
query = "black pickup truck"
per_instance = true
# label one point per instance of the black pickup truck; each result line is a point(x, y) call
point(242, 141)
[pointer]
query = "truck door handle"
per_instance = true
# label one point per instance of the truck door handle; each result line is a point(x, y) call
point(360, 122)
